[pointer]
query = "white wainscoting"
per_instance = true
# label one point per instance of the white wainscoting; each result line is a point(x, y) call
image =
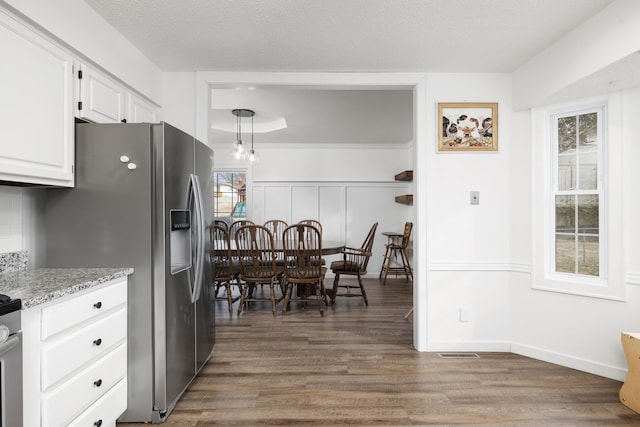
point(347, 210)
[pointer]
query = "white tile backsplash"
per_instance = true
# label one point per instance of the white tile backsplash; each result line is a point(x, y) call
point(11, 216)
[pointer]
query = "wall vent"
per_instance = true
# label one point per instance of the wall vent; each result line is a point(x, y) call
point(459, 355)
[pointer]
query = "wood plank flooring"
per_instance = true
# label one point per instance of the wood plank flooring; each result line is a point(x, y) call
point(356, 365)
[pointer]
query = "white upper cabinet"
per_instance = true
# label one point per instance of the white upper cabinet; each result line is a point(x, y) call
point(102, 99)
point(36, 96)
point(140, 111)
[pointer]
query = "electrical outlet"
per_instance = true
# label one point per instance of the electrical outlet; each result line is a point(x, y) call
point(474, 197)
point(465, 314)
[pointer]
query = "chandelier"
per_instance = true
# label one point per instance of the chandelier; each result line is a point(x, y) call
point(240, 150)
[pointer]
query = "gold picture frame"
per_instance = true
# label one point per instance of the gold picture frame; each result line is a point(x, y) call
point(467, 126)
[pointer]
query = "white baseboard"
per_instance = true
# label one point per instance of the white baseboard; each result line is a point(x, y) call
point(573, 362)
point(479, 346)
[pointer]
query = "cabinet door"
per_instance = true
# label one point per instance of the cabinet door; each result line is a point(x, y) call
point(36, 107)
point(102, 99)
point(140, 111)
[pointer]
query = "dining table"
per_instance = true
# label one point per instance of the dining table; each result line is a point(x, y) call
point(329, 247)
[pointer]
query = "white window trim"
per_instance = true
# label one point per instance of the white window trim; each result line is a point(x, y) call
point(610, 284)
point(601, 191)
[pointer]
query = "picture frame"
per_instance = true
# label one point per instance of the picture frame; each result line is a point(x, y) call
point(467, 126)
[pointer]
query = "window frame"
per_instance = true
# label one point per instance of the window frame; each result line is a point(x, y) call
point(230, 171)
point(601, 191)
point(611, 284)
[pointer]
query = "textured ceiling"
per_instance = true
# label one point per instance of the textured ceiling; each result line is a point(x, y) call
point(344, 35)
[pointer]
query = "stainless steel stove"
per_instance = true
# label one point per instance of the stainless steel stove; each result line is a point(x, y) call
point(10, 362)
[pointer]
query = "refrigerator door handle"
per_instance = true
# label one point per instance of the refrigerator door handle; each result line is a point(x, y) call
point(200, 246)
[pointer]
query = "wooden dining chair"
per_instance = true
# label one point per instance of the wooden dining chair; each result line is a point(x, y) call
point(353, 262)
point(220, 223)
point(224, 272)
point(277, 226)
point(316, 224)
point(392, 251)
point(302, 248)
point(313, 222)
point(237, 224)
point(256, 257)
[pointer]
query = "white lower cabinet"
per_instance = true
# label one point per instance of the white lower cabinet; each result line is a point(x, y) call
point(77, 371)
point(106, 410)
point(84, 389)
point(92, 341)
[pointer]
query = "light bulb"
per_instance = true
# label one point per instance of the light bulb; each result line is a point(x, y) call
point(252, 156)
point(239, 147)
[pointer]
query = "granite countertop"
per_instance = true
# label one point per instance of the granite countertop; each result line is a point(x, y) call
point(42, 285)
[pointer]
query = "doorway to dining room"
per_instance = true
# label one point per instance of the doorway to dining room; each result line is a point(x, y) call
point(313, 189)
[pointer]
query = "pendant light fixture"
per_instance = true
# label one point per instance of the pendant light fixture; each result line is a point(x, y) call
point(240, 150)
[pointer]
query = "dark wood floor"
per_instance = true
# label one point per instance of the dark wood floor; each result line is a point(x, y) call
point(356, 365)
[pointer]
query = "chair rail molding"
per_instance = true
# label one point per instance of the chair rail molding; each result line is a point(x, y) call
point(633, 278)
point(513, 267)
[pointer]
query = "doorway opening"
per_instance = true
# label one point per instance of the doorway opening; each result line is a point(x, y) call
point(206, 81)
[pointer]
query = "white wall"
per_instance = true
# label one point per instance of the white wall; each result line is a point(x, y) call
point(178, 100)
point(631, 195)
point(469, 246)
point(331, 163)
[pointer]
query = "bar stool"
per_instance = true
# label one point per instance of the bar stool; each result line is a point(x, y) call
point(393, 250)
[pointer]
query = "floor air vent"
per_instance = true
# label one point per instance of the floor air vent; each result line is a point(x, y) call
point(459, 355)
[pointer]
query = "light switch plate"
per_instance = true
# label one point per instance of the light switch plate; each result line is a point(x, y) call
point(474, 197)
point(465, 314)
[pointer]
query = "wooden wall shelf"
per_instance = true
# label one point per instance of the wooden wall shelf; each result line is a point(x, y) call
point(404, 176)
point(407, 199)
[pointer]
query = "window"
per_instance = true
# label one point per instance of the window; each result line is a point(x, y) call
point(577, 216)
point(230, 195)
point(577, 193)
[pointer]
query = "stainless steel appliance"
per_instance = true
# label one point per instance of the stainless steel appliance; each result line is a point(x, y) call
point(10, 362)
point(140, 202)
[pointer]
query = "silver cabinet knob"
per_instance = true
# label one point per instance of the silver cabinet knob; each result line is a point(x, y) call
point(132, 166)
point(124, 159)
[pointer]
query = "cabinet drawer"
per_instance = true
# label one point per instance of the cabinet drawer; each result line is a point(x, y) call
point(106, 410)
point(70, 353)
point(73, 396)
point(59, 317)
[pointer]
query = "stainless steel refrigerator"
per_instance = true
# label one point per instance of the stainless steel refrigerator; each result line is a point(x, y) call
point(143, 199)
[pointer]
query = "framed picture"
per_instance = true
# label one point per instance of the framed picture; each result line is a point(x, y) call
point(467, 126)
